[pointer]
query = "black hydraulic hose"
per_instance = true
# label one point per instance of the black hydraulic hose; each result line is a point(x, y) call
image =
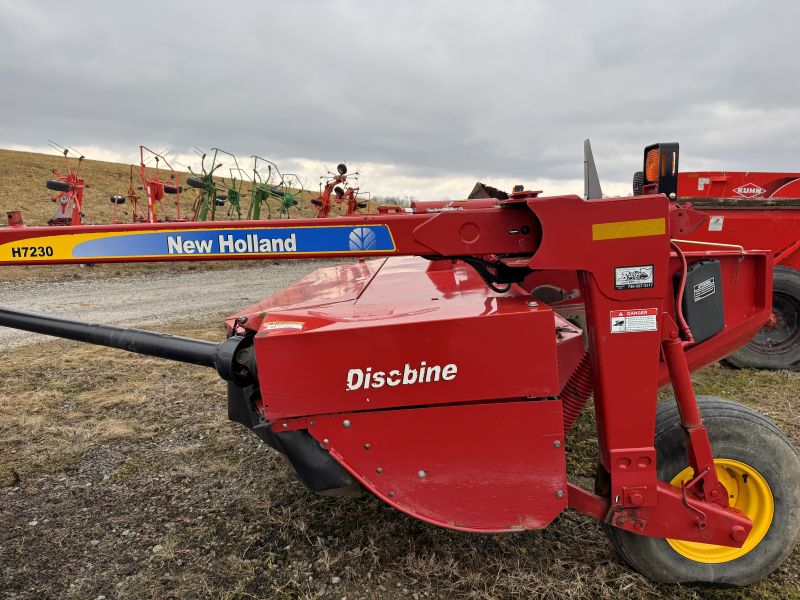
point(160, 345)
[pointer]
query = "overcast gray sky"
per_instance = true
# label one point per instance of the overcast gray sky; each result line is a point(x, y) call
point(426, 97)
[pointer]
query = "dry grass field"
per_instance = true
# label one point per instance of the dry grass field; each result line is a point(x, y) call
point(120, 477)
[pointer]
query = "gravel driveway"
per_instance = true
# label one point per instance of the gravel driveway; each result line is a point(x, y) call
point(148, 299)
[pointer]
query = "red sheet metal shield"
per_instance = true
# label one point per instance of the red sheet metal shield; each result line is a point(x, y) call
point(412, 338)
point(480, 467)
point(373, 359)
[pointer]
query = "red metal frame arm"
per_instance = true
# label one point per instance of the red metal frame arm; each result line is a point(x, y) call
point(509, 231)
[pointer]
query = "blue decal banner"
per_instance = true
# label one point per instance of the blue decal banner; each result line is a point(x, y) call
point(363, 239)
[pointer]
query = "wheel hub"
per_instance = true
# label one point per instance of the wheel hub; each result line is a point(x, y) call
point(748, 492)
point(782, 331)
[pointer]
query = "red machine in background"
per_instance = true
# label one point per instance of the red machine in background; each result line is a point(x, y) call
point(456, 407)
point(14, 218)
point(354, 204)
point(349, 196)
point(332, 186)
point(69, 188)
point(724, 188)
point(741, 209)
point(155, 188)
point(131, 198)
point(741, 186)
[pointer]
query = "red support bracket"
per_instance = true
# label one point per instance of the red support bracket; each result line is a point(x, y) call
point(679, 515)
point(587, 503)
point(698, 447)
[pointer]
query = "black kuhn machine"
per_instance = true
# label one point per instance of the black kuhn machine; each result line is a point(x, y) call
point(458, 412)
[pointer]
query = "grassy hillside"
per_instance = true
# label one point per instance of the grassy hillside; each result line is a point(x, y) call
point(22, 187)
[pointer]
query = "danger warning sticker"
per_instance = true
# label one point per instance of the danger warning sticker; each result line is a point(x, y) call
point(715, 222)
point(633, 320)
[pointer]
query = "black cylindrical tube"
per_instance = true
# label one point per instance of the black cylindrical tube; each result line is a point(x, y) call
point(161, 345)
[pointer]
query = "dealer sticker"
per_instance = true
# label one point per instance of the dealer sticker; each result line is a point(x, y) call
point(272, 325)
point(632, 321)
point(633, 278)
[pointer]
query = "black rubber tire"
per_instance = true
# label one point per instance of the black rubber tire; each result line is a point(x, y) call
point(341, 168)
point(57, 186)
point(117, 200)
point(316, 202)
point(759, 353)
point(172, 189)
point(739, 433)
point(338, 191)
point(638, 183)
point(361, 205)
point(194, 182)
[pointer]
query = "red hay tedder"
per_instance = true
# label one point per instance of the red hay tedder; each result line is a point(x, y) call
point(458, 412)
point(69, 186)
point(352, 201)
point(155, 188)
point(332, 186)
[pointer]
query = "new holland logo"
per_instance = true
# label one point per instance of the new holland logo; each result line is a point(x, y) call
point(362, 238)
point(749, 190)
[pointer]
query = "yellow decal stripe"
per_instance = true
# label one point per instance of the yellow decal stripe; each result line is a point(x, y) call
point(628, 229)
point(61, 245)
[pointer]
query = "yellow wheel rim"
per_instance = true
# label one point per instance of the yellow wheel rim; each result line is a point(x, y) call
point(748, 492)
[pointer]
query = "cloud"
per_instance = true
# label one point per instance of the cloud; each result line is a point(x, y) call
point(427, 97)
